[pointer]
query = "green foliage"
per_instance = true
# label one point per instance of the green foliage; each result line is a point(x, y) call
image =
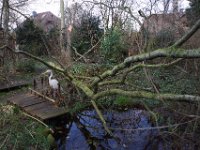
point(29, 38)
point(19, 132)
point(87, 33)
point(122, 101)
point(29, 66)
point(78, 68)
point(168, 80)
point(78, 106)
point(89, 69)
point(25, 65)
point(193, 13)
point(113, 45)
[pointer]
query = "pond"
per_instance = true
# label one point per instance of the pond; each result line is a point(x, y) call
point(130, 128)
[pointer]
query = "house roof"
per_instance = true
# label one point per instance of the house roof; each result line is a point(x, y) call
point(44, 19)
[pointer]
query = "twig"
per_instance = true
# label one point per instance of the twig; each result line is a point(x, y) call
point(83, 56)
point(4, 141)
point(36, 119)
point(182, 40)
point(77, 53)
point(30, 133)
point(25, 16)
point(43, 96)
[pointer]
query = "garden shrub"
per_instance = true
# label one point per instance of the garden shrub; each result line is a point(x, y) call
point(113, 45)
point(28, 36)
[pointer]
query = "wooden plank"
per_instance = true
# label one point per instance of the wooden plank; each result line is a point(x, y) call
point(25, 101)
point(15, 97)
point(25, 98)
point(45, 114)
point(22, 97)
point(37, 106)
point(31, 101)
point(45, 110)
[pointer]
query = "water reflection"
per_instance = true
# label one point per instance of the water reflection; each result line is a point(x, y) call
point(86, 132)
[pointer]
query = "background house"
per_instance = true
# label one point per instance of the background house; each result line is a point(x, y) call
point(175, 22)
point(46, 20)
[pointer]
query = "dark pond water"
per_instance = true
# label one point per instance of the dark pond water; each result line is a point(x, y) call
point(86, 132)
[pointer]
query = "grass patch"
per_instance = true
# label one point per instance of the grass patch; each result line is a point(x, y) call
point(123, 101)
point(20, 132)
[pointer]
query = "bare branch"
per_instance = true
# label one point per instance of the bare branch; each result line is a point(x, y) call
point(91, 49)
point(24, 15)
point(181, 41)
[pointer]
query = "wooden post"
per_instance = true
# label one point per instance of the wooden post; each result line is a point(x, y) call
point(59, 89)
point(42, 82)
point(34, 84)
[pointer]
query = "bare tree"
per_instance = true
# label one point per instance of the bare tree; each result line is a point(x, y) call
point(166, 6)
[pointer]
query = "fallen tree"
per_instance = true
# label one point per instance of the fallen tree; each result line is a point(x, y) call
point(91, 88)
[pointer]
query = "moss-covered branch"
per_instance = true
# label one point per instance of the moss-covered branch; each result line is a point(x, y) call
point(158, 53)
point(125, 73)
point(168, 52)
point(148, 95)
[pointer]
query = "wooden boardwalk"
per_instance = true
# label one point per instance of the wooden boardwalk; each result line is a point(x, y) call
point(14, 86)
point(37, 106)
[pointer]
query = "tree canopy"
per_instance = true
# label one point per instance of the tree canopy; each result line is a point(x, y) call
point(86, 33)
point(29, 37)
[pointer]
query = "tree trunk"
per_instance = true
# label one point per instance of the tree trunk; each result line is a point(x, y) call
point(62, 30)
point(6, 20)
point(8, 56)
point(65, 53)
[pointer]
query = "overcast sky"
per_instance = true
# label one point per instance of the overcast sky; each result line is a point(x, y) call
point(53, 5)
point(45, 5)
